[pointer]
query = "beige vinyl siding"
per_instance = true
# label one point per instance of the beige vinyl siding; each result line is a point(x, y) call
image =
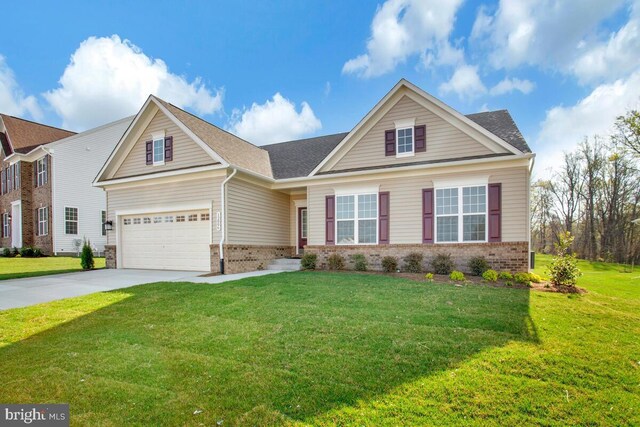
point(186, 152)
point(515, 215)
point(406, 205)
point(180, 193)
point(444, 141)
point(256, 215)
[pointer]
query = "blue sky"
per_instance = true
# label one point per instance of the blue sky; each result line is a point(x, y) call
point(281, 70)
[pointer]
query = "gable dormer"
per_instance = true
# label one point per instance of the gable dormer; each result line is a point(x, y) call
point(408, 126)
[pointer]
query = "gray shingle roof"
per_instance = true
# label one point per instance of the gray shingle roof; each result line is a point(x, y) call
point(298, 158)
point(501, 124)
point(292, 159)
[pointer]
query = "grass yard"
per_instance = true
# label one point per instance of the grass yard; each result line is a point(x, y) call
point(333, 349)
point(17, 268)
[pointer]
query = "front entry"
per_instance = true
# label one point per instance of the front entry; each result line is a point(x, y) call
point(16, 224)
point(302, 229)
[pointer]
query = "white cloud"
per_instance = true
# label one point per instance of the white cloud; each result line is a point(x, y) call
point(109, 78)
point(613, 58)
point(565, 127)
point(545, 33)
point(403, 28)
point(464, 82)
point(508, 85)
point(13, 101)
point(274, 121)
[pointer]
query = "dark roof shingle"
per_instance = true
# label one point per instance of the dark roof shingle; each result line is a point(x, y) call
point(501, 124)
point(25, 135)
point(293, 159)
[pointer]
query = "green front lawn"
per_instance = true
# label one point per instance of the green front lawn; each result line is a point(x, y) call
point(326, 349)
point(17, 268)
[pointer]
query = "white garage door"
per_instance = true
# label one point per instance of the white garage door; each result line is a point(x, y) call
point(166, 241)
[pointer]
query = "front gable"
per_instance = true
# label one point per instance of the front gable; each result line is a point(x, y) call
point(129, 157)
point(186, 152)
point(450, 136)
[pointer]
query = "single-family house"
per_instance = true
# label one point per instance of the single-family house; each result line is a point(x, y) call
point(413, 175)
point(47, 199)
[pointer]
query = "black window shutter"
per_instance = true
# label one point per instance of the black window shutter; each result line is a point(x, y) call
point(168, 149)
point(420, 134)
point(36, 224)
point(149, 146)
point(390, 142)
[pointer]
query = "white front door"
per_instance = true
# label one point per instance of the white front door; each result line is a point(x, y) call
point(166, 241)
point(16, 224)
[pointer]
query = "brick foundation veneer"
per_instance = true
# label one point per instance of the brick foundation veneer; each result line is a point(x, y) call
point(240, 258)
point(509, 256)
point(110, 256)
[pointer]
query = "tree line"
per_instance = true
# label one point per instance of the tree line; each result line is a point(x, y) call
point(595, 196)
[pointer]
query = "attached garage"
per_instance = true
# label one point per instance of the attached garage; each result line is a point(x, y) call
point(166, 241)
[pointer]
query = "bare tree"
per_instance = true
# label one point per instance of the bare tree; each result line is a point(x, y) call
point(566, 188)
point(593, 160)
point(628, 132)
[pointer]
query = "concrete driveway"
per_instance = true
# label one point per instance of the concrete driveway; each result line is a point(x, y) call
point(24, 292)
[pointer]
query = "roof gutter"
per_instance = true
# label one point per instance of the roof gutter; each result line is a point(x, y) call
point(224, 218)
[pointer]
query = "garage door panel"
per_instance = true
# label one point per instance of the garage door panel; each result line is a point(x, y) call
point(168, 241)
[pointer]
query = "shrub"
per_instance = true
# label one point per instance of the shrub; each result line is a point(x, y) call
point(478, 265)
point(490, 275)
point(522, 278)
point(413, 262)
point(458, 276)
point(308, 261)
point(390, 264)
point(563, 269)
point(37, 252)
point(508, 283)
point(442, 264)
point(533, 277)
point(360, 262)
point(336, 262)
point(86, 256)
point(15, 252)
point(6, 252)
point(505, 275)
point(26, 252)
point(429, 277)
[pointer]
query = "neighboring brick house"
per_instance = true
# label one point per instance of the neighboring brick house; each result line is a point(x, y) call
point(25, 186)
point(413, 176)
point(47, 199)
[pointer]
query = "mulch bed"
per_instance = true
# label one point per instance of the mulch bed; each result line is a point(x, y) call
point(476, 280)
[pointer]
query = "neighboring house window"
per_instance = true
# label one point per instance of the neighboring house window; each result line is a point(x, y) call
point(103, 219)
point(41, 165)
point(357, 219)
point(9, 179)
point(3, 181)
point(70, 220)
point(43, 221)
point(461, 214)
point(158, 151)
point(6, 225)
point(16, 176)
point(404, 140)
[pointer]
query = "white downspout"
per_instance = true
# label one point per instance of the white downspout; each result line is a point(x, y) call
point(223, 219)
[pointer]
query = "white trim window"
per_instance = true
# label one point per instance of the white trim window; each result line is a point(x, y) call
point(405, 142)
point(158, 151)
point(43, 221)
point(357, 219)
point(41, 165)
point(6, 225)
point(70, 220)
point(103, 222)
point(304, 215)
point(461, 214)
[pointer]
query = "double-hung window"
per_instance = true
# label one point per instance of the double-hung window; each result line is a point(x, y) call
point(6, 225)
point(158, 151)
point(41, 165)
point(461, 214)
point(43, 221)
point(357, 219)
point(70, 220)
point(404, 138)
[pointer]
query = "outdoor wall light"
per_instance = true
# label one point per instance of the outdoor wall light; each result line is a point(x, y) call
point(108, 225)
